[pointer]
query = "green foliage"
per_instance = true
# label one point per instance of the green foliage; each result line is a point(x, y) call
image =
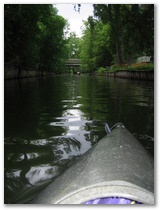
point(133, 67)
point(33, 37)
point(141, 66)
point(95, 45)
point(101, 70)
point(73, 46)
point(119, 34)
point(132, 29)
point(85, 53)
point(101, 45)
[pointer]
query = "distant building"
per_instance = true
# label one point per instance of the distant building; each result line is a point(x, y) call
point(143, 59)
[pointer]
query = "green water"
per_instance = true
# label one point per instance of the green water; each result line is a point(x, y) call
point(49, 122)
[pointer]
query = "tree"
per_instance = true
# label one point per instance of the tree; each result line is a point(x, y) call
point(52, 44)
point(112, 14)
point(19, 31)
point(86, 54)
point(73, 46)
point(34, 37)
point(144, 23)
point(95, 45)
point(132, 29)
point(101, 52)
point(86, 50)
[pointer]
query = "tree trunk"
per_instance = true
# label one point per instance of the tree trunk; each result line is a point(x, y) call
point(118, 35)
point(131, 57)
point(120, 52)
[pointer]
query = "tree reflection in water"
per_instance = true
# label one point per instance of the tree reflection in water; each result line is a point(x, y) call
point(30, 164)
point(41, 173)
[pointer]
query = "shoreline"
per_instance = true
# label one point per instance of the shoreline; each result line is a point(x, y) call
point(147, 75)
point(137, 74)
point(12, 73)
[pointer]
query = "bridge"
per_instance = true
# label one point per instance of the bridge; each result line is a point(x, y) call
point(73, 65)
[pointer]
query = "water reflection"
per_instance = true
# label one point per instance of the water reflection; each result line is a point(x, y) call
point(41, 173)
point(65, 148)
point(75, 126)
point(22, 168)
point(58, 119)
point(35, 162)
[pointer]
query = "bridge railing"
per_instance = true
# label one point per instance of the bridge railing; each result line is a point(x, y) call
point(73, 62)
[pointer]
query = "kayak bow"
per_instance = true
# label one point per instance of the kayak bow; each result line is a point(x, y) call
point(117, 166)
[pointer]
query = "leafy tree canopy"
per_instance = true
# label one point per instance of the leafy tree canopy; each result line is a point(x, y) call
point(34, 37)
point(117, 34)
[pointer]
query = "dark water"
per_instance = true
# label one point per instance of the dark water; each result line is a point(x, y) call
point(49, 122)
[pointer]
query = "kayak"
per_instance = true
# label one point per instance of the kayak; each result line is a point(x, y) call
point(116, 170)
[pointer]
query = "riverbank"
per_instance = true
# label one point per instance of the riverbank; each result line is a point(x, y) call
point(15, 73)
point(139, 74)
point(140, 71)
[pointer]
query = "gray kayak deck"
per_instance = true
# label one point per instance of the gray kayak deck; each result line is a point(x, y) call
point(118, 165)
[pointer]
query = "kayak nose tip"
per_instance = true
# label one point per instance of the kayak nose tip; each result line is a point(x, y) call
point(108, 129)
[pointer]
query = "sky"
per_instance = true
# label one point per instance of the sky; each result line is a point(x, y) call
point(75, 18)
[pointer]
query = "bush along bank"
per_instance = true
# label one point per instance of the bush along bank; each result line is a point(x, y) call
point(133, 67)
point(142, 71)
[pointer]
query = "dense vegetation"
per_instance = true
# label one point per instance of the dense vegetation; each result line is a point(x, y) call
point(35, 39)
point(117, 34)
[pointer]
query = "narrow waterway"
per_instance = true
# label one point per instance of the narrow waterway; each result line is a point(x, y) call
point(49, 122)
